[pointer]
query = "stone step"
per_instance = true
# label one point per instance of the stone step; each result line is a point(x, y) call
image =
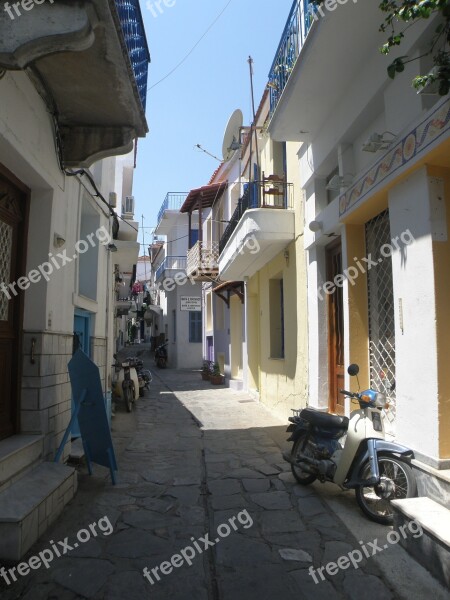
point(432, 483)
point(18, 454)
point(31, 504)
point(432, 548)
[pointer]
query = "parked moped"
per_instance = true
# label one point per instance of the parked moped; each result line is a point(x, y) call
point(127, 382)
point(161, 355)
point(353, 453)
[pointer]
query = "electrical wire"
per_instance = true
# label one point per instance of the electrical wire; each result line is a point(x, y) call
point(183, 60)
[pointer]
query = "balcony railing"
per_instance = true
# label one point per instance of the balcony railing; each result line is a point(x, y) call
point(203, 258)
point(259, 194)
point(177, 263)
point(134, 34)
point(173, 201)
point(295, 32)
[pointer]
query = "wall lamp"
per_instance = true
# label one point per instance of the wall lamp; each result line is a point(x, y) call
point(112, 247)
point(377, 141)
point(316, 226)
point(58, 240)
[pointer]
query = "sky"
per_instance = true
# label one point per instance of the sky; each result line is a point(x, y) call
point(192, 106)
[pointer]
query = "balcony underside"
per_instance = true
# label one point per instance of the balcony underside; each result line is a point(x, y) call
point(339, 45)
point(261, 234)
point(75, 54)
point(203, 274)
point(127, 255)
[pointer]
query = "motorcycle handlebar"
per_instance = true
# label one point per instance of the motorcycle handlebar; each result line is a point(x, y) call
point(350, 394)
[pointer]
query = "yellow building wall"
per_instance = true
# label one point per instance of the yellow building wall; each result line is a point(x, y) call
point(441, 257)
point(282, 383)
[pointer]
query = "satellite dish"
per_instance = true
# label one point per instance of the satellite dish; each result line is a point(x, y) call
point(231, 139)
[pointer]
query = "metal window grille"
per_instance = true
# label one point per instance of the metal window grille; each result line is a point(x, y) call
point(6, 237)
point(381, 308)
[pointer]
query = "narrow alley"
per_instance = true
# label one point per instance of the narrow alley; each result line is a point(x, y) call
point(191, 458)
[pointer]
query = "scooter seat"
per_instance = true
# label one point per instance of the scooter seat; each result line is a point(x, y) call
point(322, 419)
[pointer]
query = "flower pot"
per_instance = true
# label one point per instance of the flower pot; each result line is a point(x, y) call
point(205, 376)
point(216, 379)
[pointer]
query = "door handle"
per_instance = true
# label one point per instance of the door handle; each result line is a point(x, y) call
point(33, 346)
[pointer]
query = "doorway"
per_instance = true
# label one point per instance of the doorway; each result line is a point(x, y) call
point(335, 330)
point(13, 236)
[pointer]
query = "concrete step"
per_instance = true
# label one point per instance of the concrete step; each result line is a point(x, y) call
point(31, 504)
point(432, 483)
point(236, 384)
point(432, 548)
point(18, 454)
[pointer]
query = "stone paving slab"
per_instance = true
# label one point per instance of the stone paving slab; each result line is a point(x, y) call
point(198, 466)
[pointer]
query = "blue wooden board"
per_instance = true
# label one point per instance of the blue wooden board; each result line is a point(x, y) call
point(90, 408)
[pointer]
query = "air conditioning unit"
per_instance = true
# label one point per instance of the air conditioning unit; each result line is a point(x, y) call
point(129, 205)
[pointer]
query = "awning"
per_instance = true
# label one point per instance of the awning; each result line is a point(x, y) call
point(228, 288)
point(204, 196)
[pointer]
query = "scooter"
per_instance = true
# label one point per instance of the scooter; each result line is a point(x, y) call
point(127, 383)
point(161, 355)
point(353, 453)
point(144, 376)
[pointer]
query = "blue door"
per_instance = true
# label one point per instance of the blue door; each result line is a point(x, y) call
point(81, 333)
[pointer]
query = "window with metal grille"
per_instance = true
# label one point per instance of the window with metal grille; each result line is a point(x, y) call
point(381, 306)
point(195, 327)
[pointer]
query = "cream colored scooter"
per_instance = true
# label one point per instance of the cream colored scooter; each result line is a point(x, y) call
point(353, 453)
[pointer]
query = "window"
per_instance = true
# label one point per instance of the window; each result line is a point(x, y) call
point(194, 237)
point(195, 327)
point(276, 304)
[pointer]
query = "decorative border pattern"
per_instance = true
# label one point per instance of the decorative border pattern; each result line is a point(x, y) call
point(409, 148)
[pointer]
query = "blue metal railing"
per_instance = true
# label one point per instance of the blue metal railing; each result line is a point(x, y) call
point(255, 197)
point(298, 25)
point(173, 201)
point(178, 263)
point(134, 34)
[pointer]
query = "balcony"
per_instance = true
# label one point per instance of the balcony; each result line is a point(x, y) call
point(262, 224)
point(89, 61)
point(171, 205)
point(170, 263)
point(203, 261)
point(319, 54)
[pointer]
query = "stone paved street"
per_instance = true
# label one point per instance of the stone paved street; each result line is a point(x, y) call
point(191, 457)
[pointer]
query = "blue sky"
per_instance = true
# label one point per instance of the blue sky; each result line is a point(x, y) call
point(193, 105)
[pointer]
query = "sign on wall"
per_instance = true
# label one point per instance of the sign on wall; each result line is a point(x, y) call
point(191, 303)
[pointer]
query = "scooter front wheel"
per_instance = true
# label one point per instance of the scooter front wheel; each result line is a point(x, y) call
point(301, 446)
point(397, 482)
point(128, 397)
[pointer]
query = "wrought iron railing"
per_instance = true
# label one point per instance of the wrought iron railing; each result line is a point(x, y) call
point(136, 42)
point(173, 201)
point(177, 263)
point(259, 194)
point(203, 257)
point(297, 28)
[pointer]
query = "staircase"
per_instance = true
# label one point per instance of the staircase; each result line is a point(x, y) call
point(432, 511)
point(32, 493)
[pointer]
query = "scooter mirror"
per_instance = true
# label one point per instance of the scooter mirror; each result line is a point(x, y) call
point(353, 370)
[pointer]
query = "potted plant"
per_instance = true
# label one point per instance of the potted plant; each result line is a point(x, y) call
point(216, 376)
point(206, 370)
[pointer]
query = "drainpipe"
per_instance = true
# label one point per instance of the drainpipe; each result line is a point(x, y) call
point(245, 376)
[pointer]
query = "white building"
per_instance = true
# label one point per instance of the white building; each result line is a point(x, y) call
point(72, 95)
point(179, 296)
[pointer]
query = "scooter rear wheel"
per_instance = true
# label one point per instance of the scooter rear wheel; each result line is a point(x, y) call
point(397, 482)
point(301, 445)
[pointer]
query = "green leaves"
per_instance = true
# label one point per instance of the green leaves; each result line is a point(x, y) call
point(408, 12)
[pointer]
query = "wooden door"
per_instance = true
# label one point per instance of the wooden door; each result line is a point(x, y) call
point(13, 208)
point(335, 330)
